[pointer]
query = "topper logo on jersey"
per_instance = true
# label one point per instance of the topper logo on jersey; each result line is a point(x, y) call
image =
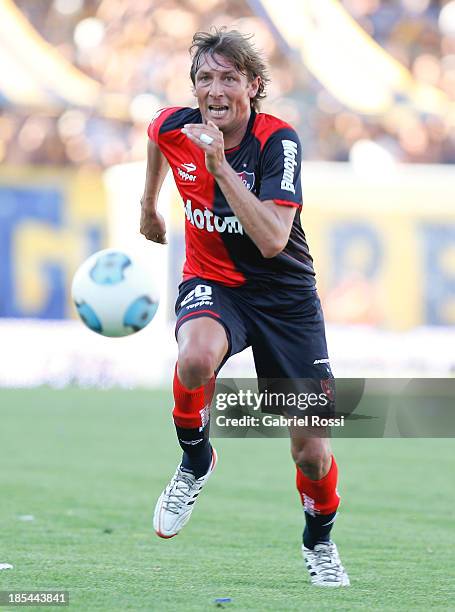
point(290, 152)
point(208, 220)
point(185, 173)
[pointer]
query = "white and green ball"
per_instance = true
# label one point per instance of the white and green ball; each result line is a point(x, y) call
point(114, 293)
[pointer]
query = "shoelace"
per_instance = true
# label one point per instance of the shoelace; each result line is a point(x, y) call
point(179, 492)
point(326, 563)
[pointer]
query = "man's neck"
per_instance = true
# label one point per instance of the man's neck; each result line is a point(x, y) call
point(234, 138)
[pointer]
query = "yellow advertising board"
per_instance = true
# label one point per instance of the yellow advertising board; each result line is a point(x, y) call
point(383, 245)
point(50, 221)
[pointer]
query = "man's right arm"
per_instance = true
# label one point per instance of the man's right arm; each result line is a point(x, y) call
point(152, 223)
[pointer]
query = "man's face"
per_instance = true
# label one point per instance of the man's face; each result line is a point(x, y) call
point(223, 93)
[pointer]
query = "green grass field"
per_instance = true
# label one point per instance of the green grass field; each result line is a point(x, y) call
point(89, 465)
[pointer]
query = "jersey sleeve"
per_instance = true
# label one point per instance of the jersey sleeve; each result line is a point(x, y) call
point(158, 119)
point(281, 161)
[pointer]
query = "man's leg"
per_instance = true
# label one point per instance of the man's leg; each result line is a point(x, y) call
point(290, 350)
point(202, 346)
point(317, 475)
point(316, 481)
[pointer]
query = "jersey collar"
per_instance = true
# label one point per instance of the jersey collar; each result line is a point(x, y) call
point(249, 127)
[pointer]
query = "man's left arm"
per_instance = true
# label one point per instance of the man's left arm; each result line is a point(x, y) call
point(266, 223)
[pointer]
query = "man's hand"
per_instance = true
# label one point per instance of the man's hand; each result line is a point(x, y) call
point(153, 226)
point(214, 152)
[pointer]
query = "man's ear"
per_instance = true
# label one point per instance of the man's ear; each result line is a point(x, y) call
point(254, 86)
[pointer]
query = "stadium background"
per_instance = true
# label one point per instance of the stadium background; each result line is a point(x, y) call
point(370, 87)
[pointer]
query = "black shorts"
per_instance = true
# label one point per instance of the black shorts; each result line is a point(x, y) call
point(284, 327)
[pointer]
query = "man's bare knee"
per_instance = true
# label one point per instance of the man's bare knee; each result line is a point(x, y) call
point(196, 368)
point(202, 346)
point(313, 457)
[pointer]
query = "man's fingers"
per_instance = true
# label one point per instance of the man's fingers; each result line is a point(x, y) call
point(191, 136)
point(157, 238)
point(197, 141)
point(154, 236)
point(201, 126)
point(194, 130)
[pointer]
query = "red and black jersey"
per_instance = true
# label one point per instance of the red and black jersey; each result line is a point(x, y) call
point(268, 161)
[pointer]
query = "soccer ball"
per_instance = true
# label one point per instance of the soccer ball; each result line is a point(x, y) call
point(114, 294)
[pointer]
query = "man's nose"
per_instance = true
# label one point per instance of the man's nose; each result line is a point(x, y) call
point(216, 88)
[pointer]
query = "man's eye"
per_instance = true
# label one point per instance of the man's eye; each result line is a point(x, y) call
point(230, 79)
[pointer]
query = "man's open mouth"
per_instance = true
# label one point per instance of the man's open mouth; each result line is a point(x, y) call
point(217, 110)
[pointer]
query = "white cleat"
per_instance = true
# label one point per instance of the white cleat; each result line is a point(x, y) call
point(324, 565)
point(175, 504)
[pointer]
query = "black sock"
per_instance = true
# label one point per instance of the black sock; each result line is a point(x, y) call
point(317, 528)
point(197, 450)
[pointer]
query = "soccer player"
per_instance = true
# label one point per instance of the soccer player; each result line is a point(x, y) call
point(248, 278)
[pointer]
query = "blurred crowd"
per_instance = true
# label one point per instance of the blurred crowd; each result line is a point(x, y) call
point(140, 49)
